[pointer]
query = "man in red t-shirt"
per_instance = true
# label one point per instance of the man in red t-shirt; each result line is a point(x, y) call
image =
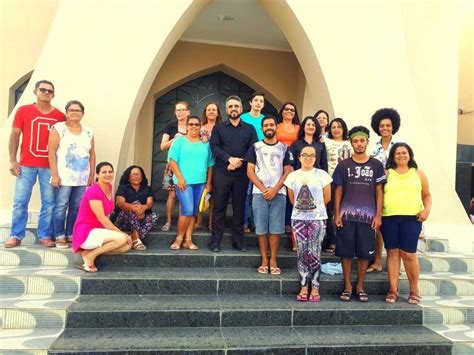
point(33, 123)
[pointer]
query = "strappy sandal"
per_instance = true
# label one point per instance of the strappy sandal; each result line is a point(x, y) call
point(188, 244)
point(346, 296)
point(362, 296)
point(262, 269)
point(414, 298)
point(87, 268)
point(391, 297)
point(330, 249)
point(177, 243)
point(166, 227)
point(138, 245)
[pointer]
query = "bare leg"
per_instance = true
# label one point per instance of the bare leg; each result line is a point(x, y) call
point(199, 219)
point(115, 243)
point(393, 268)
point(304, 290)
point(347, 269)
point(412, 268)
point(361, 270)
point(377, 264)
point(183, 223)
point(262, 243)
point(274, 240)
point(190, 229)
point(170, 202)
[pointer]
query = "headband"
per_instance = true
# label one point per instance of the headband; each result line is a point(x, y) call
point(359, 133)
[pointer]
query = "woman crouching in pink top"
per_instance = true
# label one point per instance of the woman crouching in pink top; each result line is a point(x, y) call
point(94, 234)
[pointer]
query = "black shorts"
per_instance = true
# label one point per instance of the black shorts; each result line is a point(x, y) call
point(355, 239)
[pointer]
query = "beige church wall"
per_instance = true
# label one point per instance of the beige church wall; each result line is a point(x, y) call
point(24, 26)
point(411, 65)
point(105, 67)
point(276, 73)
point(466, 72)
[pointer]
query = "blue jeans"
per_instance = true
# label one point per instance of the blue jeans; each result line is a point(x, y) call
point(189, 199)
point(23, 188)
point(68, 199)
point(248, 212)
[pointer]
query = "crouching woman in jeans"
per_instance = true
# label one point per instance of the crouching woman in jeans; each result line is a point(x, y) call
point(94, 234)
point(406, 205)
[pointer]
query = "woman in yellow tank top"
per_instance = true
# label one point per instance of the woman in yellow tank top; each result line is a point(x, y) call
point(407, 204)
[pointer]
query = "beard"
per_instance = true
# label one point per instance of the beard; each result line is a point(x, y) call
point(269, 134)
point(234, 115)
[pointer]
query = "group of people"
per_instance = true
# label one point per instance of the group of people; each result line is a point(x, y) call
point(312, 179)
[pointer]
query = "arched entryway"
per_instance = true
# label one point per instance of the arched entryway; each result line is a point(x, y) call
point(198, 92)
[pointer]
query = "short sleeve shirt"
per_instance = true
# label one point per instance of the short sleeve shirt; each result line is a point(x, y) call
point(336, 151)
point(132, 196)
point(358, 182)
point(269, 160)
point(308, 188)
point(171, 129)
point(86, 218)
point(35, 127)
point(256, 122)
point(193, 159)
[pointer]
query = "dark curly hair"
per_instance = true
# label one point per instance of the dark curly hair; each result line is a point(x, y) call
point(296, 119)
point(359, 129)
point(385, 113)
point(343, 126)
point(391, 156)
point(317, 133)
point(126, 175)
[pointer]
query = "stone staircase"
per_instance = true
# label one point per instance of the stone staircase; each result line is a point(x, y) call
point(161, 301)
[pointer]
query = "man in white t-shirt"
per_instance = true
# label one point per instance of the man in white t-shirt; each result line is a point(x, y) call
point(269, 163)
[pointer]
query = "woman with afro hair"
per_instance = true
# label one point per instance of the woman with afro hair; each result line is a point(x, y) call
point(385, 122)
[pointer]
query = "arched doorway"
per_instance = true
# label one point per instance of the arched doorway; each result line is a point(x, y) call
point(198, 92)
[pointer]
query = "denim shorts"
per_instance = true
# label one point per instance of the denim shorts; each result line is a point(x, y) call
point(401, 232)
point(269, 215)
point(189, 199)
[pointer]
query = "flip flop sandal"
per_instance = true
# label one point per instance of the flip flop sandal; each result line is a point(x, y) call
point(391, 297)
point(87, 268)
point(138, 245)
point(314, 298)
point(275, 270)
point(346, 296)
point(371, 269)
point(330, 250)
point(362, 296)
point(262, 269)
point(414, 298)
point(302, 297)
point(166, 227)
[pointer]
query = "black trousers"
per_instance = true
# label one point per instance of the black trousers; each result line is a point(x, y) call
point(223, 187)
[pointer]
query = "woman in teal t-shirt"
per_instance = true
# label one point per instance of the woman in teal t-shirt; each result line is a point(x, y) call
point(191, 161)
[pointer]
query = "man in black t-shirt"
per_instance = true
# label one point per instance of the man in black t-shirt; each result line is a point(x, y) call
point(357, 210)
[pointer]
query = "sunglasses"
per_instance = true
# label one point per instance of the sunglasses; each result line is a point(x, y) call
point(289, 109)
point(194, 124)
point(46, 91)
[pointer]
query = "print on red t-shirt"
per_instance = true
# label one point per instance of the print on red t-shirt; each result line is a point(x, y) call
point(35, 127)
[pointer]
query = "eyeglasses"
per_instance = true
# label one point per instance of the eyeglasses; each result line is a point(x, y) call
point(305, 156)
point(194, 124)
point(46, 91)
point(136, 175)
point(290, 109)
point(181, 109)
point(75, 110)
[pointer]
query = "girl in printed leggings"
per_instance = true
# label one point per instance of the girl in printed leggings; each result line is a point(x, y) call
point(309, 190)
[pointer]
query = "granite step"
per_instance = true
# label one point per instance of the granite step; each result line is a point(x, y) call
point(234, 311)
point(254, 340)
point(207, 281)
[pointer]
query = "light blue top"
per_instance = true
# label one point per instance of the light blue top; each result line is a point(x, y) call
point(193, 159)
point(255, 122)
